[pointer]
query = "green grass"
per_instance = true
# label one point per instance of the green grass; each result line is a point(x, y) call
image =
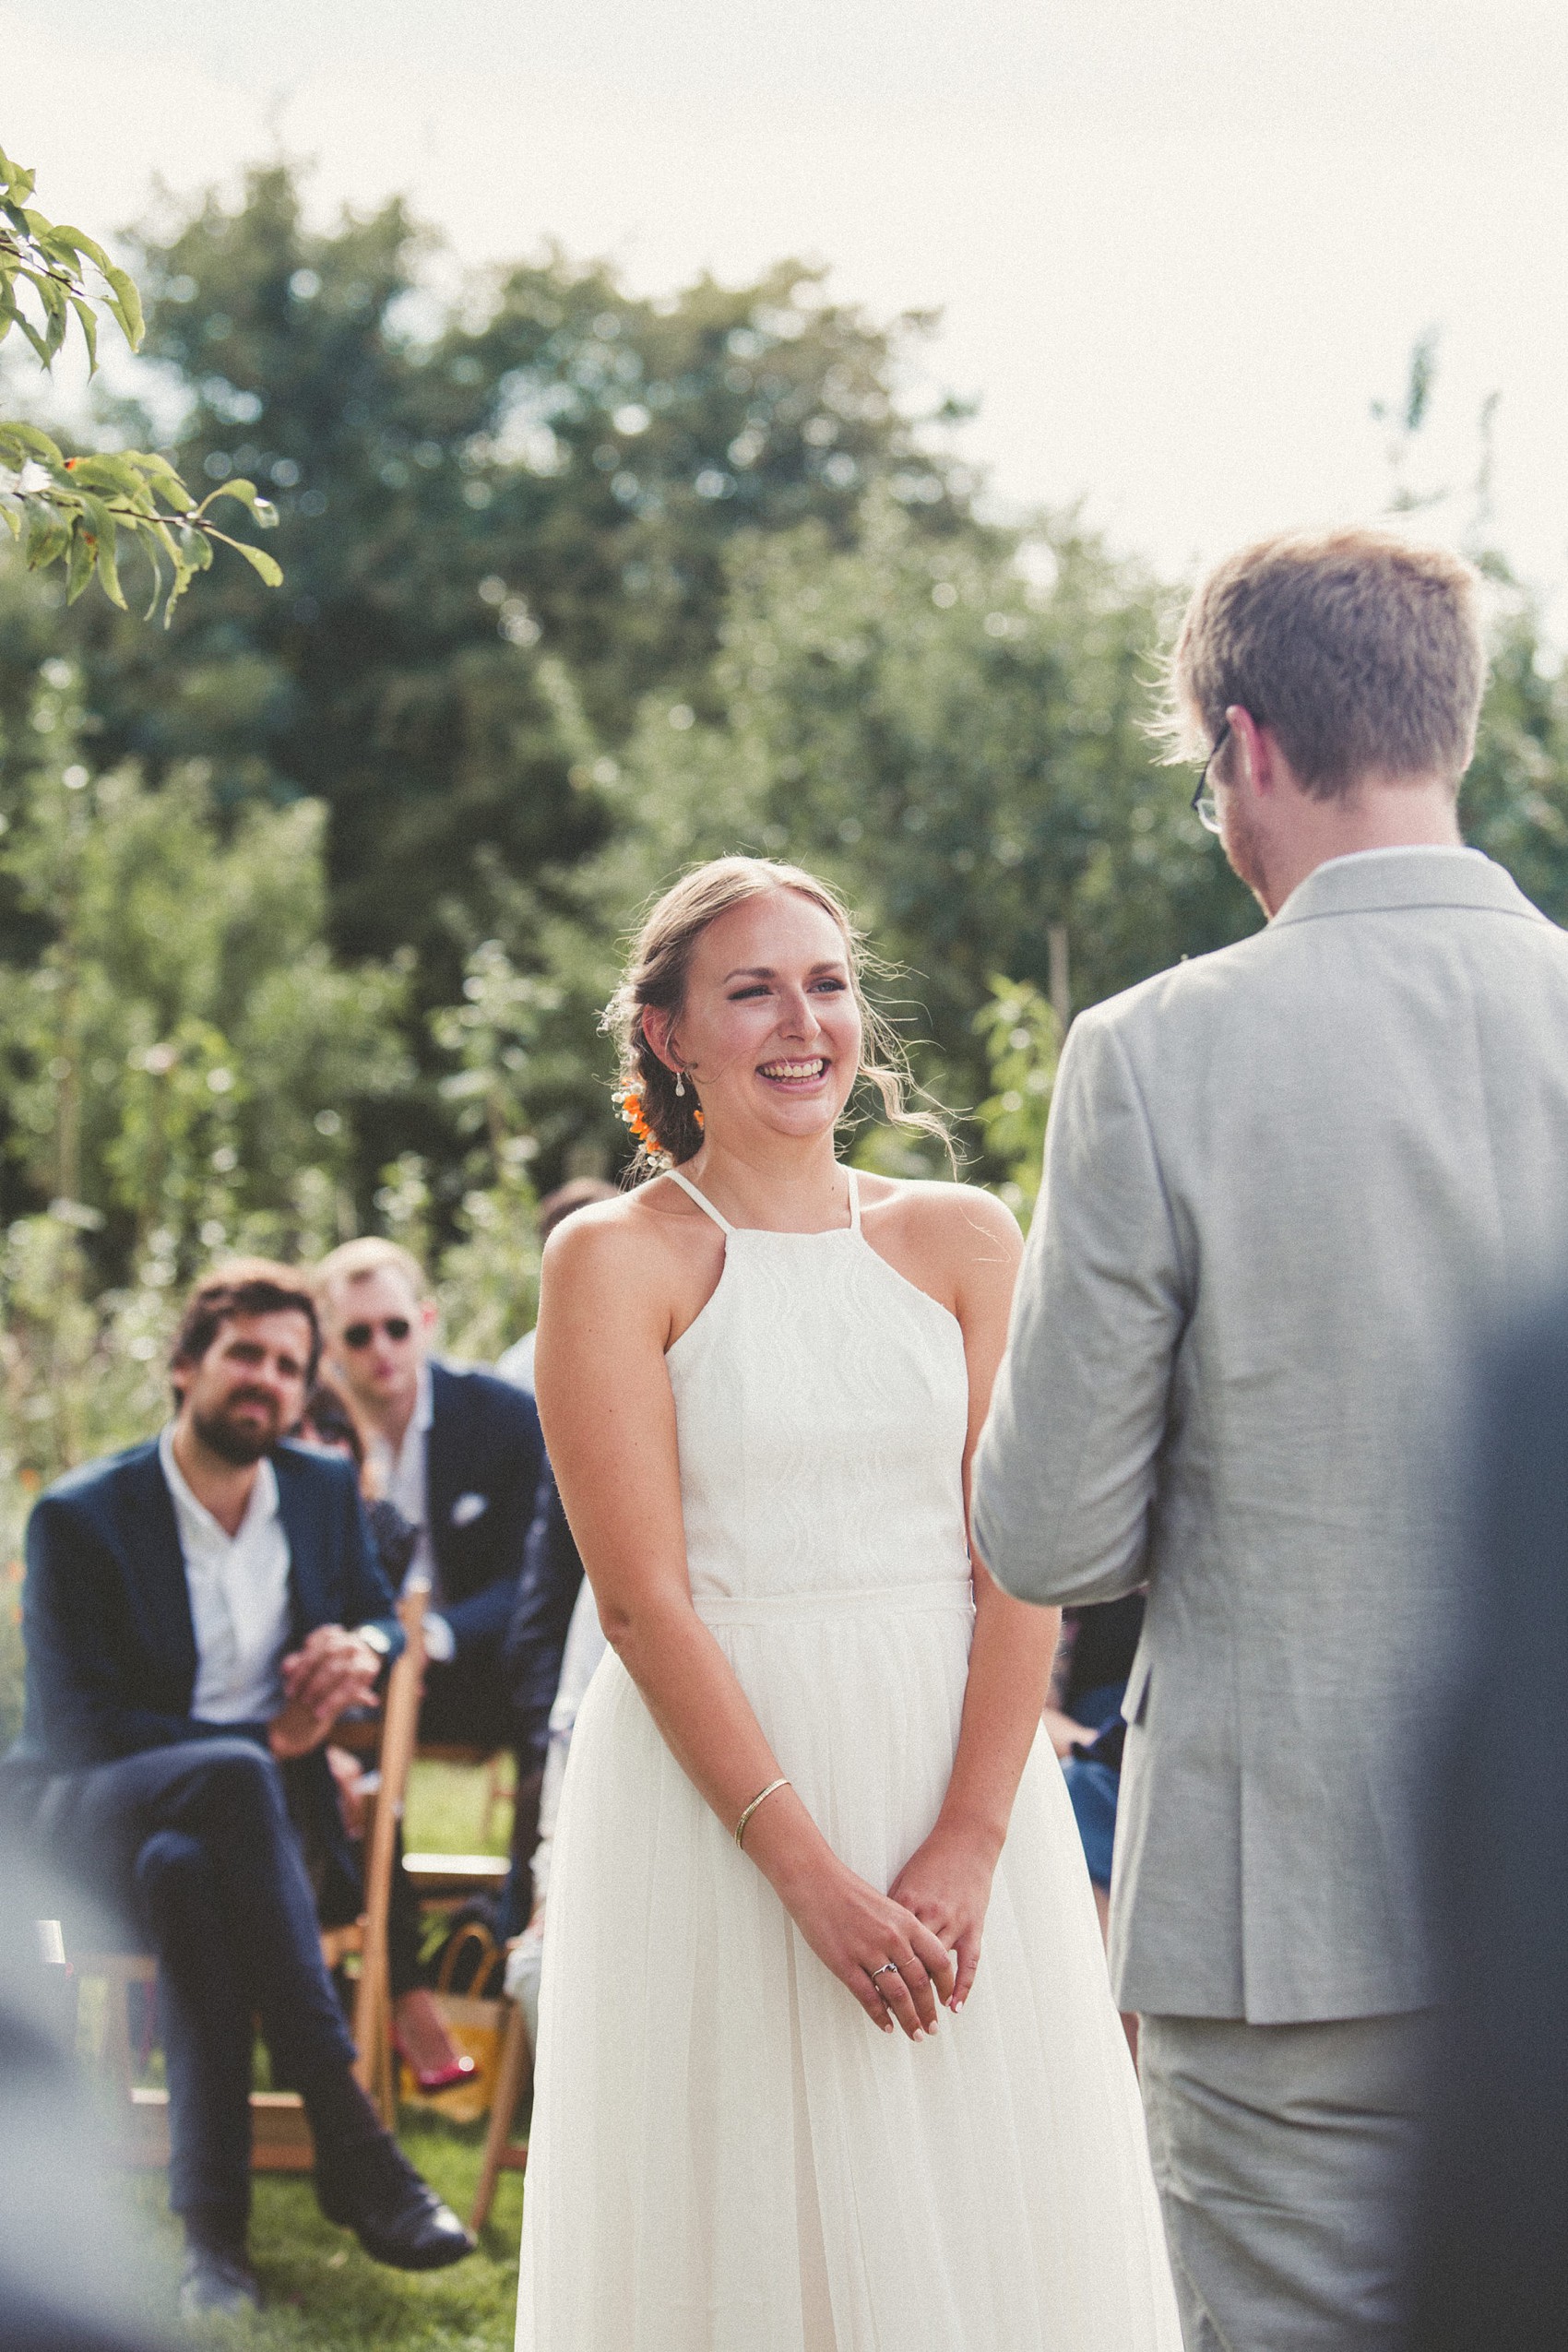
point(323, 2294)
point(443, 1812)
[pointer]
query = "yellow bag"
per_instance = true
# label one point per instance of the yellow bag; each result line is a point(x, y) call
point(476, 2022)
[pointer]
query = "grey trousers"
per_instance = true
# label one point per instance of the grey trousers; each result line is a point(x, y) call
point(1284, 2156)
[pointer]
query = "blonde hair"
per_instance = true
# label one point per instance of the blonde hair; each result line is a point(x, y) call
point(656, 977)
point(354, 1261)
point(1363, 652)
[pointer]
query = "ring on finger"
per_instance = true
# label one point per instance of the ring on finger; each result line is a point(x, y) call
point(883, 1970)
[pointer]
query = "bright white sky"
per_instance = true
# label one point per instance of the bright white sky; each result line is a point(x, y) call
point(1178, 244)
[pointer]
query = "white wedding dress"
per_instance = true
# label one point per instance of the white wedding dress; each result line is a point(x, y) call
point(726, 2155)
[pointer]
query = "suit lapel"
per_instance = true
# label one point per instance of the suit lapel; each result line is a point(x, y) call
point(310, 1602)
point(156, 1568)
point(442, 1470)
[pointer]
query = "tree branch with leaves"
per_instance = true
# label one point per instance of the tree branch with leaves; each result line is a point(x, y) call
point(82, 511)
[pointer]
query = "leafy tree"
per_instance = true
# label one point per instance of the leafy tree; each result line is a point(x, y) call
point(185, 1062)
point(1514, 803)
point(1022, 1038)
point(76, 510)
point(504, 520)
point(1515, 800)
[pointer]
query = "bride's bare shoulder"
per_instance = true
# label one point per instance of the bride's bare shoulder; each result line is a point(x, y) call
point(942, 1215)
point(636, 1238)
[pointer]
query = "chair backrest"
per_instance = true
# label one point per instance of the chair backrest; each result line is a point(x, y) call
point(400, 1733)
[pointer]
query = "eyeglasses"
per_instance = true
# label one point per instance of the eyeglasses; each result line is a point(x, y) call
point(360, 1335)
point(1204, 805)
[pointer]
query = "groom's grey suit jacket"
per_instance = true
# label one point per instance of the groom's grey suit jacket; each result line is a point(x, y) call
point(1289, 1187)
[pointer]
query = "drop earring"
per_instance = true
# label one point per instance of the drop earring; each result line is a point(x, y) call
point(679, 1085)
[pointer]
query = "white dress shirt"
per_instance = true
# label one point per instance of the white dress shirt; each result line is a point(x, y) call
point(239, 1595)
point(517, 1364)
point(405, 1481)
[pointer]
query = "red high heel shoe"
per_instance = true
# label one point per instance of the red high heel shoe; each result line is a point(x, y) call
point(440, 2078)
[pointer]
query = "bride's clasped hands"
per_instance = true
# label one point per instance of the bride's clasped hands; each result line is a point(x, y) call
point(945, 1887)
point(856, 1932)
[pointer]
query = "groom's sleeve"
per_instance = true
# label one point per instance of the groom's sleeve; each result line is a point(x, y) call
point(1065, 1471)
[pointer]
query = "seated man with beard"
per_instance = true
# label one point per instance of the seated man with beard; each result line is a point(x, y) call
point(198, 1611)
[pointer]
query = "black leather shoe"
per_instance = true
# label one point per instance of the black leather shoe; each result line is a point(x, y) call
point(215, 2280)
point(397, 2218)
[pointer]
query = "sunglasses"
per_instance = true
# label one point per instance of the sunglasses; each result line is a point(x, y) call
point(360, 1335)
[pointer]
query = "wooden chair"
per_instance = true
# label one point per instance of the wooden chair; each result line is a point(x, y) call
point(280, 2140)
point(512, 2077)
point(443, 1882)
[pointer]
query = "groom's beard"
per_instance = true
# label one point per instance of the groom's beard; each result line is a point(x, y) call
point(1243, 848)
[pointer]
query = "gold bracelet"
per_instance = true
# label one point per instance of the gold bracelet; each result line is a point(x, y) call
point(772, 1789)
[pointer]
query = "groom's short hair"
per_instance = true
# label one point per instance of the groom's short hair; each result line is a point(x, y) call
point(1362, 651)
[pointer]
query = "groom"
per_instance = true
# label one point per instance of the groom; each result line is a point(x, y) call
point(1286, 1186)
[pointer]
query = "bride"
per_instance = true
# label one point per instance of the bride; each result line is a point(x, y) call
point(827, 2057)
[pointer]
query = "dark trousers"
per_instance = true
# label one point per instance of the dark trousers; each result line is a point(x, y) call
point(196, 1840)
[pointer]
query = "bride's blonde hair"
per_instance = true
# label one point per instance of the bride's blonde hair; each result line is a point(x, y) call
point(670, 1125)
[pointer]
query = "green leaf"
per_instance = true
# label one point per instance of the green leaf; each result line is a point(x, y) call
point(59, 246)
point(88, 322)
point(110, 471)
point(267, 566)
point(264, 510)
point(103, 530)
point(56, 314)
point(148, 541)
point(19, 318)
point(88, 245)
point(28, 442)
point(80, 569)
point(17, 182)
point(126, 303)
point(271, 570)
point(47, 539)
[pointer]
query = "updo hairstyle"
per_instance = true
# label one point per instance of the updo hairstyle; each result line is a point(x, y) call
point(656, 977)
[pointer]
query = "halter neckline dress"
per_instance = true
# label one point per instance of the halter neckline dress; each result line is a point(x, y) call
point(726, 2155)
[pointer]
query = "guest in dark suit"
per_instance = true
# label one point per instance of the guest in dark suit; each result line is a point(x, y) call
point(1493, 2247)
point(187, 1618)
point(461, 1453)
point(534, 1647)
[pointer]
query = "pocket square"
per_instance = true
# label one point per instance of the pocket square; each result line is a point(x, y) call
point(468, 1508)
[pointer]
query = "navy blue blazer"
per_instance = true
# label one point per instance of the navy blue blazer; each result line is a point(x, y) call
point(106, 1613)
point(484, 1452)
point(536, 1637)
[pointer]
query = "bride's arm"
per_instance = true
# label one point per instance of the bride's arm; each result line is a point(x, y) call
point(609, 1416)
point(947, 1882)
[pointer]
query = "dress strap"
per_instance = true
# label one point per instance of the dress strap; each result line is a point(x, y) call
point(854, 1200)
point(702, 1200)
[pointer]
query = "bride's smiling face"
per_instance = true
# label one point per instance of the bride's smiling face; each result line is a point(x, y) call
point(769, 1033)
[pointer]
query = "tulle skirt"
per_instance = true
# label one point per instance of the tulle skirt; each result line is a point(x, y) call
point(726, 2155)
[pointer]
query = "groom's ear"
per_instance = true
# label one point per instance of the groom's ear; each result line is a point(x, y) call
point(1258, 764)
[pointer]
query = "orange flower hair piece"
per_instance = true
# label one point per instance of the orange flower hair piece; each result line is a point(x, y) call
point(631, 1104)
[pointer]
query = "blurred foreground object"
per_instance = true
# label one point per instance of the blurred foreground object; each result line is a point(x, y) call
point(74, 2275)
point(1493, 2244)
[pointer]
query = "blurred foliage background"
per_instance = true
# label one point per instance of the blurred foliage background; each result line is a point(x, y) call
point(309, 902)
